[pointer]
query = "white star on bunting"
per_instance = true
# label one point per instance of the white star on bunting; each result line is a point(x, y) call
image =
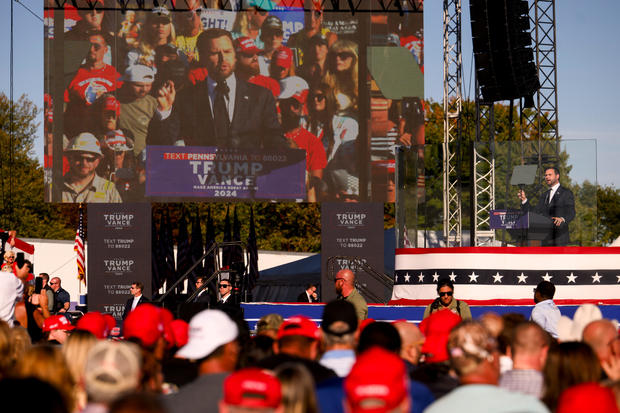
point(473, 277)
point(452, 276)
point(407, 277)
point(571, 278)
point(522, 278)
point(497, 278)
point(547, 277)
point(618, 277)
point(421, 277)
point(395, 278)
point(435, 277)
point(596, 278)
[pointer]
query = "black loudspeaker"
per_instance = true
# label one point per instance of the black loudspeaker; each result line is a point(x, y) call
point(503, 54)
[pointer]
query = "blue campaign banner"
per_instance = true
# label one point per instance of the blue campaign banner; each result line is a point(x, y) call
point(508, 219)
point(209, 172)
point(292, 20)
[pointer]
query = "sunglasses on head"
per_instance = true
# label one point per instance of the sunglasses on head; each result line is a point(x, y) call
point(223, 285)
point(448, 293)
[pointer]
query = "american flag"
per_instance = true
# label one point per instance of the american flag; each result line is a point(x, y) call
point(78, 247)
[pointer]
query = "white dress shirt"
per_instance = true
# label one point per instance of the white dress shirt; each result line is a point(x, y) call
point(554, 189)
point(134, 304)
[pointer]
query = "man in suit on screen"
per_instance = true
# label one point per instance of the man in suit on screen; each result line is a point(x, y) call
point(224, 110)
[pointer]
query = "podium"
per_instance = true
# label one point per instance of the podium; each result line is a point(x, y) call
point(528, 228)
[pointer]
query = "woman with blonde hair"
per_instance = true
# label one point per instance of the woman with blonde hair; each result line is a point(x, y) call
point(297, 388)
point(248, 23)
point(75, 350)
point(9, 259)
point(342, 74)
point(48, 364)
point(158, 30)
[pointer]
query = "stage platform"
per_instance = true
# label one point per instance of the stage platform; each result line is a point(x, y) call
point(254, 311)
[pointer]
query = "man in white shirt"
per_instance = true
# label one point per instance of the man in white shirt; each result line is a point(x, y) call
point(545, 313)
point(136, 300)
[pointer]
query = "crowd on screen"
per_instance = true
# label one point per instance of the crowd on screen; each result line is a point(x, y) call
point(134, 70)
point(159, 364)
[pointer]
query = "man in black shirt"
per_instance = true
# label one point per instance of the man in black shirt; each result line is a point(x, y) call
point(62, 300)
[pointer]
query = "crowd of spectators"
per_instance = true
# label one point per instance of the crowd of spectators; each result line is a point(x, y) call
point(129, 74)
point(215, 363)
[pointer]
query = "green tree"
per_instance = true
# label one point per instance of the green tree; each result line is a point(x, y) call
point(21, 181)
point(608, 229)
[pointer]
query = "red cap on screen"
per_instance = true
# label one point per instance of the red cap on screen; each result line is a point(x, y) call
point(112, 104)
point(284, 57)
point(246, 45)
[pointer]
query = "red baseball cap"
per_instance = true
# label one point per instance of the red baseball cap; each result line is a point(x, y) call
point(299, 325)
point(112, 104)
point(57, 322)
point(99, 324)
point(436, 328)
point(252, 387)
point(180, 332)
point(377, 382)
point(587, 397)
point(246, 45)
point(284, 57)
point(148, 323)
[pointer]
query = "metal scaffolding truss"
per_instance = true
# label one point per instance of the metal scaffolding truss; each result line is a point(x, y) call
point(484, 173)
point(452, 106)
point(542, 123)
point(539, 131)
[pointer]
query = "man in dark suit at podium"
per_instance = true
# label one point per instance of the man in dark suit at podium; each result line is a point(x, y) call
point(557, 203)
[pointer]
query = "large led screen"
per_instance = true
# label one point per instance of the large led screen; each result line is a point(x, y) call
point(199, 100)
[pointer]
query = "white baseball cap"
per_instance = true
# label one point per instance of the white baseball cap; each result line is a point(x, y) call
point(208, 330)
point(139, 73)
point(293, 86)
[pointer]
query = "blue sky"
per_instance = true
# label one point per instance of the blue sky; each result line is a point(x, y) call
point(588, 53)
